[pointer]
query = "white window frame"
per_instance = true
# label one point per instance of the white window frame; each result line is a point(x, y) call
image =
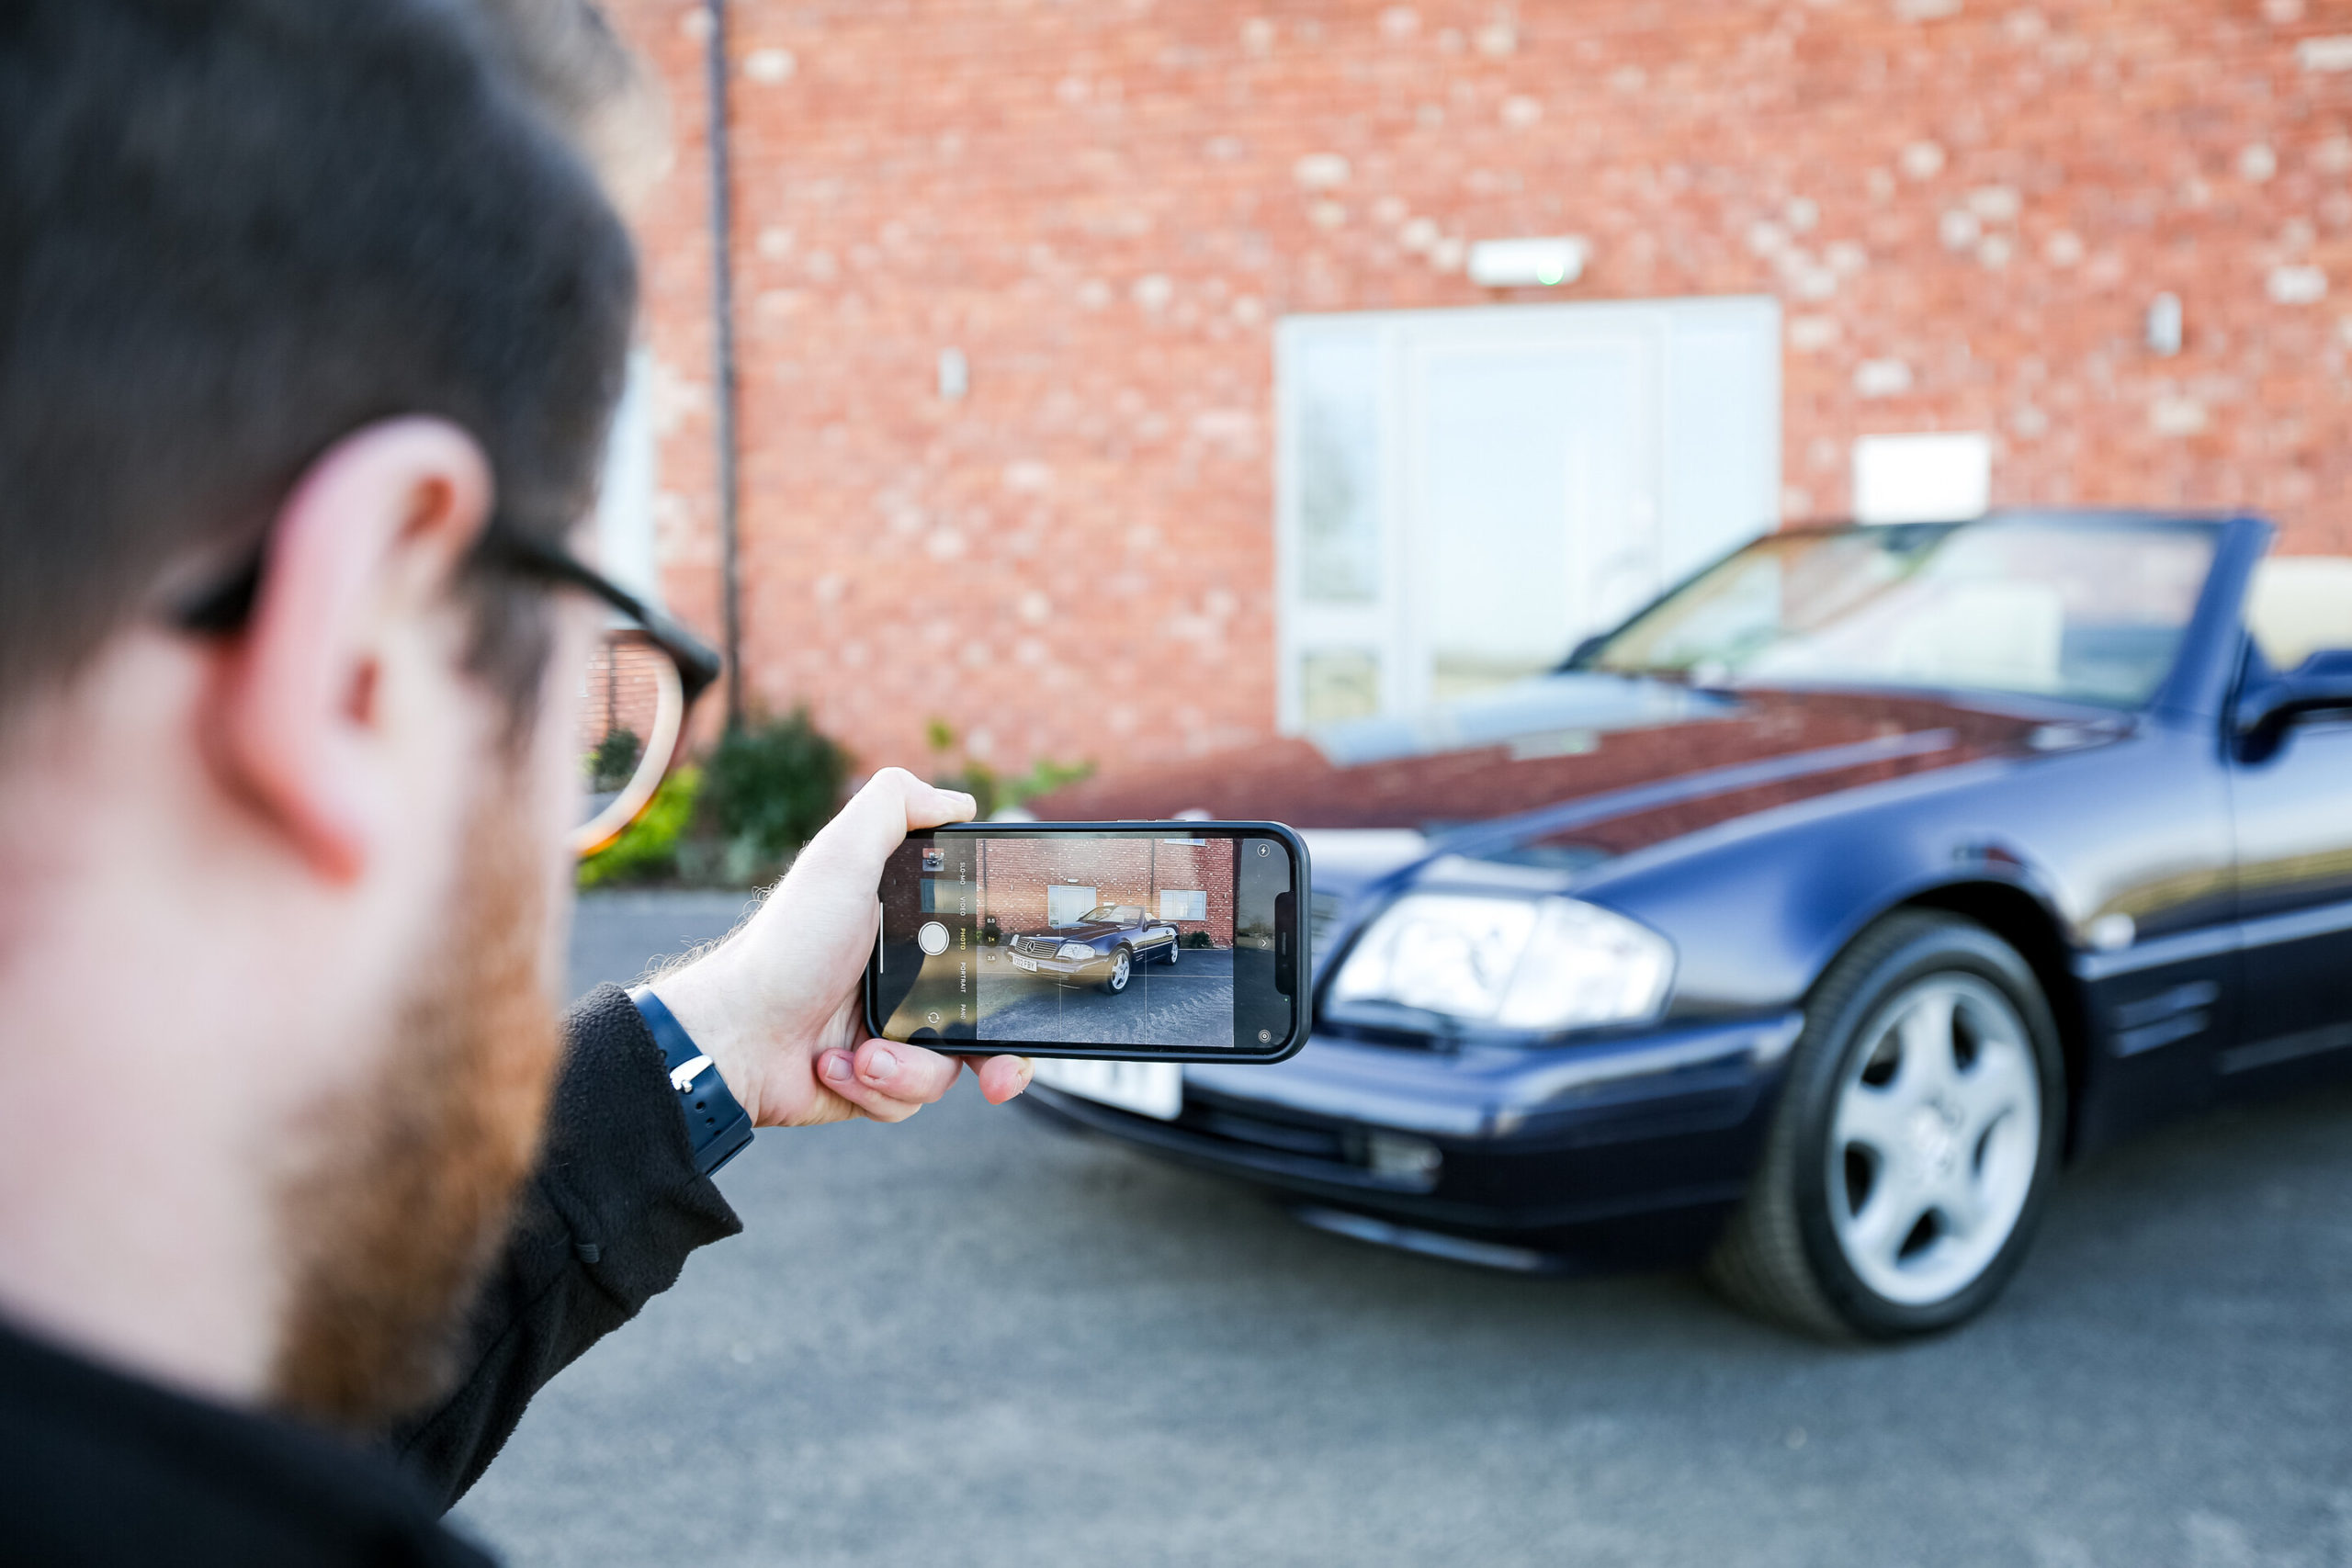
point(627, 548)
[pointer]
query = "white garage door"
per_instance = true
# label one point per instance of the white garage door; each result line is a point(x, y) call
point(1464, 494)
point(1067, 904)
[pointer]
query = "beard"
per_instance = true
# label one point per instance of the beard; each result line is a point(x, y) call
point(394, 1218)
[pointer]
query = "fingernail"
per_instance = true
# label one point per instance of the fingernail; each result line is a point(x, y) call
point(882, 1065)
point(837, 1067)
point(1028, 1070)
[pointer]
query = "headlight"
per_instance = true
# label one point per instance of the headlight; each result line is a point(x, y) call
point(1532, 964)
point(1076, 952)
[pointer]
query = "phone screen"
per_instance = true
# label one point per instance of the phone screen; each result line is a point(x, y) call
point(1171, 939)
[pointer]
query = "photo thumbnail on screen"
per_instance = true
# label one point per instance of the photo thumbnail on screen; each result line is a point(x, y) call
point(1083, 939)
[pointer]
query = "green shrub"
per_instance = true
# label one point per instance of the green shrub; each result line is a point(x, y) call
point(1044, 777)
point(1198, 939)
point(648, 849)
point(991, 792)
point(977, 780)
point(613, 761)
point(767, 788)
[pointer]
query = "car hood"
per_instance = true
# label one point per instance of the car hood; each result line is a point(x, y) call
point(1086, 932)
point(1576, 767)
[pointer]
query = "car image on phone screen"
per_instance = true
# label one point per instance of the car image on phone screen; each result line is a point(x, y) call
point(1174, 940)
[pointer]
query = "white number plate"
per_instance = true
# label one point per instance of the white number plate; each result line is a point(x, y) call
point(1147, 1089)
point(1028, 963)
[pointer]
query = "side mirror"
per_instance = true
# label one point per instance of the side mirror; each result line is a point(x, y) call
point(2322, 683)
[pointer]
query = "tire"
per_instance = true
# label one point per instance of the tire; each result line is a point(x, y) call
point(1175, 946)
point(1928, 1078)
point(1123, 970)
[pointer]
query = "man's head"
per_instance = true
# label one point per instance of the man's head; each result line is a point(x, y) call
point(316, 287)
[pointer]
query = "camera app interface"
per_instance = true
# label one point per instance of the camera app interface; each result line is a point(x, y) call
point(1078, 939)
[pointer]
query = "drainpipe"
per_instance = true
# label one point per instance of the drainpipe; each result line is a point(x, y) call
point(722, 327)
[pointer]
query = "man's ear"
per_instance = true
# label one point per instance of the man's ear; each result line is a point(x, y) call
point(363, 550)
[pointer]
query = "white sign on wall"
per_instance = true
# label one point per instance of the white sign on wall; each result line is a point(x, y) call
point(1946, 477)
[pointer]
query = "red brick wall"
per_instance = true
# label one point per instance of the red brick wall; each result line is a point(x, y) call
point(1964, 207)
point(1018, 871)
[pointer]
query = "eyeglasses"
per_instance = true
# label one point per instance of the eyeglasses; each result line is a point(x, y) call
point(639, 682)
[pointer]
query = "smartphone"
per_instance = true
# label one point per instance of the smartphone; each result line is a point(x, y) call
point(1182, 942)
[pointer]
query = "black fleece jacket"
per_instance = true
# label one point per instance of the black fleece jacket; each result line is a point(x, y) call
point(98, 1468)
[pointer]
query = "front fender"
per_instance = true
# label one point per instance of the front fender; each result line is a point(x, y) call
point(1758, 909)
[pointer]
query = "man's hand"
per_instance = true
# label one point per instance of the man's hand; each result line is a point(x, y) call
point(777, 1008)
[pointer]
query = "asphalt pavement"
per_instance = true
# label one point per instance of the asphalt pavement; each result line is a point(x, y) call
point(974, 1340)
point(1187, 1003)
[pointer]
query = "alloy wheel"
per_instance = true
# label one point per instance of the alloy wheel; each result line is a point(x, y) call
point(1935, 1139)
point(1119, 964)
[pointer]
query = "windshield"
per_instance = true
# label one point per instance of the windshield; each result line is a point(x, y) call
point(1116, 914)
point(2082, 610)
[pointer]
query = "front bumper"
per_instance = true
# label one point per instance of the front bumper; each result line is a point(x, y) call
point(1548, 1145)
point(1030, 963)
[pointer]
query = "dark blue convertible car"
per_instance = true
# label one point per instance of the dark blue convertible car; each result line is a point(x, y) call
point(1103, 948)
point(1809, 921)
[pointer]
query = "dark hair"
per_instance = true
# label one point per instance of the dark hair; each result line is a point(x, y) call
point(232, 231)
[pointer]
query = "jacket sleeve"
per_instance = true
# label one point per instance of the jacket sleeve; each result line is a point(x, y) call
point(602, 1227)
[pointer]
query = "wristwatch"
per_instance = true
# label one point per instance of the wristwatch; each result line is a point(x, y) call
point(717, 1126)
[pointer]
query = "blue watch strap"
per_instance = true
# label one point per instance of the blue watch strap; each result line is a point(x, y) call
point(717, 1126)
